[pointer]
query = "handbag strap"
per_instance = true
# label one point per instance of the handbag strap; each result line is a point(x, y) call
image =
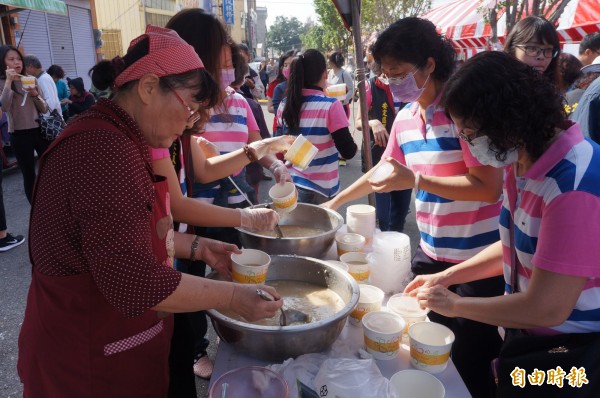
point(514, 260)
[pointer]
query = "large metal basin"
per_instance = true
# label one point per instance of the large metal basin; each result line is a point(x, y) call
point(276, 343)
point(305, 215)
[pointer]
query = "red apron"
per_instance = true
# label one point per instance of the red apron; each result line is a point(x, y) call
point(73, 343)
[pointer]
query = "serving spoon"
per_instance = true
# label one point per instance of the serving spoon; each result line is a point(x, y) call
point(289, 316)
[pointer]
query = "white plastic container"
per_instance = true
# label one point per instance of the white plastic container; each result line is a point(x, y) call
point(390, 261)
point(382, 334)
point(430, 345)
point(382, 171)
point(370, 299)
point(360, 219)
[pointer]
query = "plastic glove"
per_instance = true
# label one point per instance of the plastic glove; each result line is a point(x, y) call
point(271, 146)
point(258, 219)
point(208, 148)
point(280, 172)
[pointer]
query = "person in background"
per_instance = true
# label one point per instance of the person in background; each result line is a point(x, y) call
point(7, 240)
point(569, 70)
point(589, 48)
point(272, 70)
point(457, 197)
point(392, 207)
point(275, 93)
point(25, 135)
point(57, 74)
point(253, 85)
point(263, 72)
point(98, 319)
point(33, 67)
point(587, 110)
point(307, 111)
point(338, 75)
point(534, 41)
point(510, 117)
point(80, 99)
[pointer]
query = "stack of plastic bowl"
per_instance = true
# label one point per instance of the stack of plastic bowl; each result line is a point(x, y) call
point(389, 261)
point(360, 219)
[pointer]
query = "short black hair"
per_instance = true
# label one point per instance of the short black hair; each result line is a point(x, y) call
point(337, 58)
point(414, 40)
point(591, 41)
point(32, 60)
point(511, 103)
point(56, 71)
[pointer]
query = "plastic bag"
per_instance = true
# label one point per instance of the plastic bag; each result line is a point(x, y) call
point(350, 378)
point(303, 368)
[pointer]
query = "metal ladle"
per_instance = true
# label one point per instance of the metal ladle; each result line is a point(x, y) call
point(289, 316)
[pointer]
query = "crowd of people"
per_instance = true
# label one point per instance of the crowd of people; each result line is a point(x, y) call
point(495, 150)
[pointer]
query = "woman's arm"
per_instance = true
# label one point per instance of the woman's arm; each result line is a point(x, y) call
point(270, 107)
point(357, 190)
point(349, 81)
point(38, 100)
point(548, 301)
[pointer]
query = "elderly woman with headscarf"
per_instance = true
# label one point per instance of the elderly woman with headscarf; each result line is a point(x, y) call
point(80, 99)
point(98, 319)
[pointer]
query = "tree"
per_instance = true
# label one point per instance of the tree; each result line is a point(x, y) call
point(377, 15)
point(314, 36)
point(517, 9)
point(285, 34)
point(334, 34)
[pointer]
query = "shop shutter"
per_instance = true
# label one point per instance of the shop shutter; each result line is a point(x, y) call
point(61, 44)
point(83, 42)
point(34, 36)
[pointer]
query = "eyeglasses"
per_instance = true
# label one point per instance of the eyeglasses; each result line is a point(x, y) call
point(194, 115)
point(534, 51)
point(398, 79)
point(468, 138)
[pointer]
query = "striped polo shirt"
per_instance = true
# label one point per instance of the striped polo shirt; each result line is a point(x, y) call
point(451, 231)
point(319, 117)
point(557, 223)
point(228, 129)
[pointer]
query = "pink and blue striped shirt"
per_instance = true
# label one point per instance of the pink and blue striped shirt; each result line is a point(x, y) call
point(451, 231)
point(557, 224)
point(319, 117)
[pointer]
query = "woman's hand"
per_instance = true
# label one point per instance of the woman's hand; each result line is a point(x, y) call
point(438, 299)
point(217, 255)
point(32, 91)
point(65, 101)
point(380, 134)
point(12, 75)
point(271, 146)
point(258, 219)
point(249, 305)
point(208, 148)
point(401, 178)
point(330, 204)
point(426, 281)
point(280, 171)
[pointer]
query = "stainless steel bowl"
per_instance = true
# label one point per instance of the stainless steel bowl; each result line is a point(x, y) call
point(305, 215)
point(276, 343)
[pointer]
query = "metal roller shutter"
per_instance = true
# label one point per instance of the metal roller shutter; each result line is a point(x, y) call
point(34, 36)
point(62, 44)
point(83, 42)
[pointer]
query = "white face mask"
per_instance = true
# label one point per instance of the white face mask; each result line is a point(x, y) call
point(480, 149)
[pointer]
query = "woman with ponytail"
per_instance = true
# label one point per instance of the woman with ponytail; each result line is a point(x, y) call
point(307, 111)
point(98, 321)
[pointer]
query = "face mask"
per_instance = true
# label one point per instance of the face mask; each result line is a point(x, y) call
point(480, 149)
point(227, 76)
point(286, 73)
point(406, 90)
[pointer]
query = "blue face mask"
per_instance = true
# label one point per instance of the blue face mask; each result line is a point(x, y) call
point(227, 76)
point(480, 149)
point(406, 89)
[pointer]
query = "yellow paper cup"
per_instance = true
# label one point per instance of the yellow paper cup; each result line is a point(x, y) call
point(250, 266)
point(337, 91)
point(382, 333)
point(28, 81)
point(301, 153)
point(369, 300)
point(358, 266)
point(284, 197)
point(430, 345)
point(349, 242)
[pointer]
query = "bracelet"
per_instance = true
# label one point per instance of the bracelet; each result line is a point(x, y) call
point(417, 180)
point(250, 153)
point(194, 248)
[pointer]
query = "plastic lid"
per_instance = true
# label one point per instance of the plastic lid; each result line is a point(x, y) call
point(405, 305)
point(381, 172)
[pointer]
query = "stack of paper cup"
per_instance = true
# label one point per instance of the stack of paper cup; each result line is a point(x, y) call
point(360, 219)
point(337, 91)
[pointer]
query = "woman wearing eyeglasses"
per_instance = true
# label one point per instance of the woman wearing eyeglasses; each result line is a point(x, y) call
point(534, 41)
point(457, 199)
point(551, 207)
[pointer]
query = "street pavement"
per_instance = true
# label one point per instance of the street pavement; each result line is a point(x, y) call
point(15, 268)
